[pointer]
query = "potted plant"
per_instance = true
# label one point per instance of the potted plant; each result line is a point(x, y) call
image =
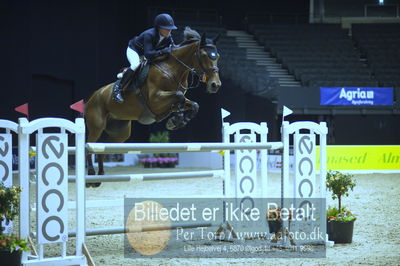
point(163, 160)
point(340, 221)
point(11, 247)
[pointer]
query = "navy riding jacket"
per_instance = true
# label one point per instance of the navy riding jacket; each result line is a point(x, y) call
point(147, 43)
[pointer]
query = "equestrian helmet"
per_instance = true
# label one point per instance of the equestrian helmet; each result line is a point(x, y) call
point(164, 21)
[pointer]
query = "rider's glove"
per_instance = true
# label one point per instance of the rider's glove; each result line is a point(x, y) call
point(166, 50)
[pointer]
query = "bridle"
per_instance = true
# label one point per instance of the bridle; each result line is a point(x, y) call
point(193, 72)
point(214, 69)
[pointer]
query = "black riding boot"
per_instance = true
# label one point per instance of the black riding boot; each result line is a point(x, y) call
point(120, 84)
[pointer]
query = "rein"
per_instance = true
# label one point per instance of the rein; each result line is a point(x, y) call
point(193, 72)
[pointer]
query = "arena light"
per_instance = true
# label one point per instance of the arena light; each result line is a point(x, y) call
point(381, 2)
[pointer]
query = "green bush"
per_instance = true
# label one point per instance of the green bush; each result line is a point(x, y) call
point(9, 208)
point(159, 137)
point(9, 202)
point(11, 243)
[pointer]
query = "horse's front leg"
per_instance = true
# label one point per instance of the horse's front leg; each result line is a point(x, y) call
point(184, 110)
point(177, 108)
point(191, 110)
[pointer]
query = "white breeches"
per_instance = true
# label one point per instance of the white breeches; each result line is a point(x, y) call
point(133, 58)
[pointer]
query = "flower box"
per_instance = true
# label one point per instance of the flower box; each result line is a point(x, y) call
point(162, 162)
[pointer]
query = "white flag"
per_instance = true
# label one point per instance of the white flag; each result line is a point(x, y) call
point(286, 111)
point(224, 113)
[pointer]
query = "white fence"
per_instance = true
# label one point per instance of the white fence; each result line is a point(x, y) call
point(52, 168)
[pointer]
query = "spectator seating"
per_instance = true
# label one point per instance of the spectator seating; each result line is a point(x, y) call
point(234, 66)
point(380, 44)
point(317, 54)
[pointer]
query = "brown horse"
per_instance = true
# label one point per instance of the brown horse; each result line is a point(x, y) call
point(162, 94)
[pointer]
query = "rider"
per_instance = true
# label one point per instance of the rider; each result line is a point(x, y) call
point(150, 43)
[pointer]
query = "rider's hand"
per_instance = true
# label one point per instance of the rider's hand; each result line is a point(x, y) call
point(166, 50)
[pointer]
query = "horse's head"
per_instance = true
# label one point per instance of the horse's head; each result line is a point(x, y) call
point(208, 56)
point(203, 57)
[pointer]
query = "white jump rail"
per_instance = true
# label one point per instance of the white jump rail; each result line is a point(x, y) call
point(106, 148)
point(149, 176)
point(245, 141)
point(123, 230)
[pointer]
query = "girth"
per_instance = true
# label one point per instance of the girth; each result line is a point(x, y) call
point(148, 117)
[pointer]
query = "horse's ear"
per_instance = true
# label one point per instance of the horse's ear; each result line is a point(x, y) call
point(215, 40)
point(203, 39)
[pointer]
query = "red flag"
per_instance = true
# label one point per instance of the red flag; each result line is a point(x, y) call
point(78, 106)
point(24, 109)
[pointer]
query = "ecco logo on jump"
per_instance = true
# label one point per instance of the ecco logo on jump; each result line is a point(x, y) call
point(247, 175)
point(52, 180)
point(305, 166)
point(5, 170)
point(4, 149)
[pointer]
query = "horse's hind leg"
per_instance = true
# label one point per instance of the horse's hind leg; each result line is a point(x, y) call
point(94, 134)
point(95, 123)
point(117, 131)
point(92, 137)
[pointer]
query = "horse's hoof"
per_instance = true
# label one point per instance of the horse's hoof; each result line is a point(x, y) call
point(170, 125)
point(97, 184)
point(91, 172)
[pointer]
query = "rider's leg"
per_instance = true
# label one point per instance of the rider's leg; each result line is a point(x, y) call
point(134, 60)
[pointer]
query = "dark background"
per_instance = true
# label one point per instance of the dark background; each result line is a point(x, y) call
point(55, 53)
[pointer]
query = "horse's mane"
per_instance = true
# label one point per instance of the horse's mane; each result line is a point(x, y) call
point(189, 36)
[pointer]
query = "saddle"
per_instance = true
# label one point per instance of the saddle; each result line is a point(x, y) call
point(134, 84)
point(138, 78)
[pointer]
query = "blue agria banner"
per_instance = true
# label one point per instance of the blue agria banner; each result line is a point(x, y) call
point(356, 96)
